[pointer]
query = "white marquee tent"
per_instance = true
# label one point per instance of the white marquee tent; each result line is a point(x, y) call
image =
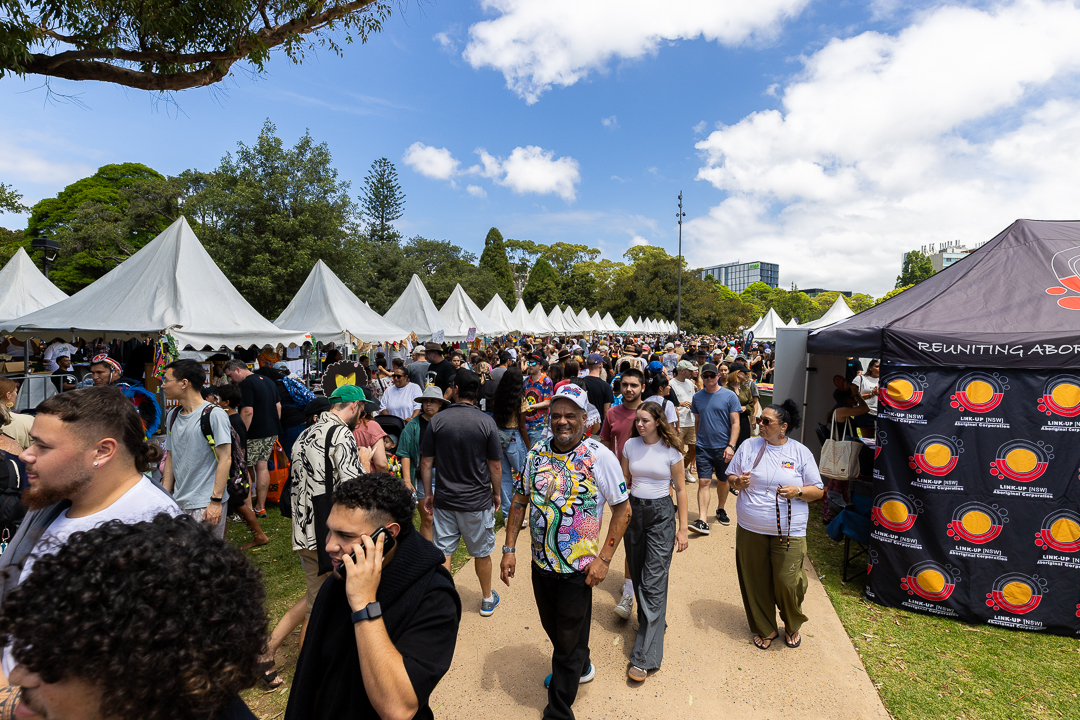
point(598, 322)
point(496, 310)
point(24, 289)
point(170, 284)
point(415, 312)
point(838, 311)
point(766, 329)
point(555, 319)
point(330, 311)
point(628, 325)
point(461, 314)
point(609, 323)
point(522, 320)
point(541, 324)
point(570, 322)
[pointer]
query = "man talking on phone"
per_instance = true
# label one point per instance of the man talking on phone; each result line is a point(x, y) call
point(384, 626)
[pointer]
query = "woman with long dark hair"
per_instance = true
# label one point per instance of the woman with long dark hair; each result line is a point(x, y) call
point(506, 411)
point(652, 461)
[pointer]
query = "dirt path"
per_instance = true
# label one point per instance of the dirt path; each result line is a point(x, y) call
point(710, 669)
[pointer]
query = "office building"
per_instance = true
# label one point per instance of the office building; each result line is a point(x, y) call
point(947, 253)
point(814, 292)
point(739, 276)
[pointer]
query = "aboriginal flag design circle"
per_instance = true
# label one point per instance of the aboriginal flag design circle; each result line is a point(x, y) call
point(979, 392)
point(895, 511)
point(977, 522)
point(936, 455)
point(1060, 531)
point(931, 580)
point(902, 390)
point(1021, 460)
point(1061, 396)
point(1016, 593)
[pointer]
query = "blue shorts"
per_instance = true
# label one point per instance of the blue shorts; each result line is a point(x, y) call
point(707, 460)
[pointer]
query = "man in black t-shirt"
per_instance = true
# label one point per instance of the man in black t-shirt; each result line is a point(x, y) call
point(440, 372)
point(599, 392)
point(64, 378)
point(261, 413)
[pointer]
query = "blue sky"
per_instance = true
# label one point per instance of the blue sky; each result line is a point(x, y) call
point(826, 137)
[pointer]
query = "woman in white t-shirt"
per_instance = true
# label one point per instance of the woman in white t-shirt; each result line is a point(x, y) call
point(779, 476)
point(652, 462)
point(399, 399)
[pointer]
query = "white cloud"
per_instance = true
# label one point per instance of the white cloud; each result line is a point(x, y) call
point(610, 122)
point(540, 44)
point(952, 128)
point(432, 162)
point(700, 127)
point(22, 166)
point(529, 169)
point(638, 240)
point(444, 41)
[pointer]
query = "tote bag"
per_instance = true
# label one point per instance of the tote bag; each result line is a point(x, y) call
point(840, 458)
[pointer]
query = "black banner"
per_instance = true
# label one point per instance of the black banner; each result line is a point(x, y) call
point(977, 483)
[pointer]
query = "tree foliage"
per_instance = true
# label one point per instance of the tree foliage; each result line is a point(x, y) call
point(494, 261)
point(916, 268)
point(172, 46)
point(10, 200)
point(543, 286)
point(382, 202)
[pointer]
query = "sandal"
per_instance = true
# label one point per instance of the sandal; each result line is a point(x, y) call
point(765, 643)
point(787, 639)
point(269, 675)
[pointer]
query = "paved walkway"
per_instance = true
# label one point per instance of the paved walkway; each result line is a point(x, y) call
point(711, 669)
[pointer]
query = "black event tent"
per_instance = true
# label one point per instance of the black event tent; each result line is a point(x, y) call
point(1013, 303)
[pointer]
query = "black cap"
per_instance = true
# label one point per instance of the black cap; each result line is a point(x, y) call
point(316, 407)
point(467, 380)
point(505, 357)
point(709, 368)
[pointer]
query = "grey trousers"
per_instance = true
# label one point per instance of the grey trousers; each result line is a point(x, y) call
point(650, 542)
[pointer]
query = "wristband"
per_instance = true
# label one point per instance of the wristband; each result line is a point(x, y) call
point(214, 499)
point(601, 559)
point(508, 550)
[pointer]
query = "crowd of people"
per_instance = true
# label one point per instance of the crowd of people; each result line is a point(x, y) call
point(541, 436)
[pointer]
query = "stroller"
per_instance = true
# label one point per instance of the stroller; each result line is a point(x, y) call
point(393, 427)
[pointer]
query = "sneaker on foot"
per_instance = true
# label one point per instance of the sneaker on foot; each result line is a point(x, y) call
point(487, 607)
point(587, 676)
point(721, 516)
point(625, 607)
point(700, 526)
point(637, 674)
point(690, 478)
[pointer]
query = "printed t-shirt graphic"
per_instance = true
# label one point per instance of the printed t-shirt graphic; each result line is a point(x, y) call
point(537, 392)
point(566, 495)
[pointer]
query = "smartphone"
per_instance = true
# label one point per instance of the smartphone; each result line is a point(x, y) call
point(388, 545)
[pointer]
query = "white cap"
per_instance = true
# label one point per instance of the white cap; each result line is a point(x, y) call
point(574, 393)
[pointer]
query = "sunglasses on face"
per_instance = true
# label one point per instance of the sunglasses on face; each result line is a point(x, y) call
point(766, 422)
point(708, 375)
point(399, 376)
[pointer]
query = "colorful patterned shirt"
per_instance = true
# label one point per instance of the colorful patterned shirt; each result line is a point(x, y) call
point(537, 392)
point(566, 495)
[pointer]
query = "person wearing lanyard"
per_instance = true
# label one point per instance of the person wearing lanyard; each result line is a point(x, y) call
point(652, 461)
point(780, 477)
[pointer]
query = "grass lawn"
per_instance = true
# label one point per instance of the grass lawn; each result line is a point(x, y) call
point(284, 583)
point(929, 667)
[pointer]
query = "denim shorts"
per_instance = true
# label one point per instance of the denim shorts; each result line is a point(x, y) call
point(709, 459)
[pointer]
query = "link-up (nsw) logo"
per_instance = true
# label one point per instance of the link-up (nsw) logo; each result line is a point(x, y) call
point(895, 511)
point(1021, 460)
point(1061, 531)
point(979, 392)
point(902, 390)
point(936, 455)
point(1066, 266)
point(931, 580)
point(977, 522)
point(1061, 396)
point(1016, 593)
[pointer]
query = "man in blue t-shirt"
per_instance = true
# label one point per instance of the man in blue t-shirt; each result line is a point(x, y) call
point(716, 422)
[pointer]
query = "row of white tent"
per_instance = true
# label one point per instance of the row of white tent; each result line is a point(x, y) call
point(172, 284)
point(766, 326)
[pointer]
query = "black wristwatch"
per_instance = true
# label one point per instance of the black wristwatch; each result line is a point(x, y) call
point(372, 611)
point(214, 499)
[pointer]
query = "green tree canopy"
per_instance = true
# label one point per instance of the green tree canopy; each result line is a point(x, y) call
point(494, 261)
point(172, 46)
point(10, 200)
point(382, 202)
point(543, 286)
point(916, 268)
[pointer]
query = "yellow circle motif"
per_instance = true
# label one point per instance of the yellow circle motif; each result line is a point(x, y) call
point(937, 455)
point(979, 391)
point(894, 511)
point(1066, 395)
point(1017, 593)
point(931, 581)
point(1065, 530)
point(976, 522)
point(1021, 460)
point(900, 389)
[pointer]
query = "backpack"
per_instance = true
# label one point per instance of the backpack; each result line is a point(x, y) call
point(239, 485)
point(12, 482)
point(297, 391)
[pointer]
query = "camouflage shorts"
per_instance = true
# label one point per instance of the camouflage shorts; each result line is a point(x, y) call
point(260, 449)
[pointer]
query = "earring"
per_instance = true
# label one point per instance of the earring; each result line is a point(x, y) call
point(95, 463)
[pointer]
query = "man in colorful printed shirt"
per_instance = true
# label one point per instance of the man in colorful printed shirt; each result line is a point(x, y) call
point(538, 390)
point(565, 483)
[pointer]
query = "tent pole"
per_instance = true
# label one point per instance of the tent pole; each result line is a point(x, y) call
point(805, 396)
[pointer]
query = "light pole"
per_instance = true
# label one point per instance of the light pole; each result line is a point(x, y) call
point(678, 318)
point(46, 244)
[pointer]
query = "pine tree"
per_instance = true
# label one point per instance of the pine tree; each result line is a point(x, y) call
point(382, 201)
point(543, 286)
point(494, 260)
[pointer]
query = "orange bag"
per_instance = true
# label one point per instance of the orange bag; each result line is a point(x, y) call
point(279, 473)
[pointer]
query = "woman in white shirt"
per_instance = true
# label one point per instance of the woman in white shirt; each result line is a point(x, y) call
point(399, 399)
point(652, 462)
point(779, 476)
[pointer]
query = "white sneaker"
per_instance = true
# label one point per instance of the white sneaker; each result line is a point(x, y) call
point(625, 607)
point(690, 478)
